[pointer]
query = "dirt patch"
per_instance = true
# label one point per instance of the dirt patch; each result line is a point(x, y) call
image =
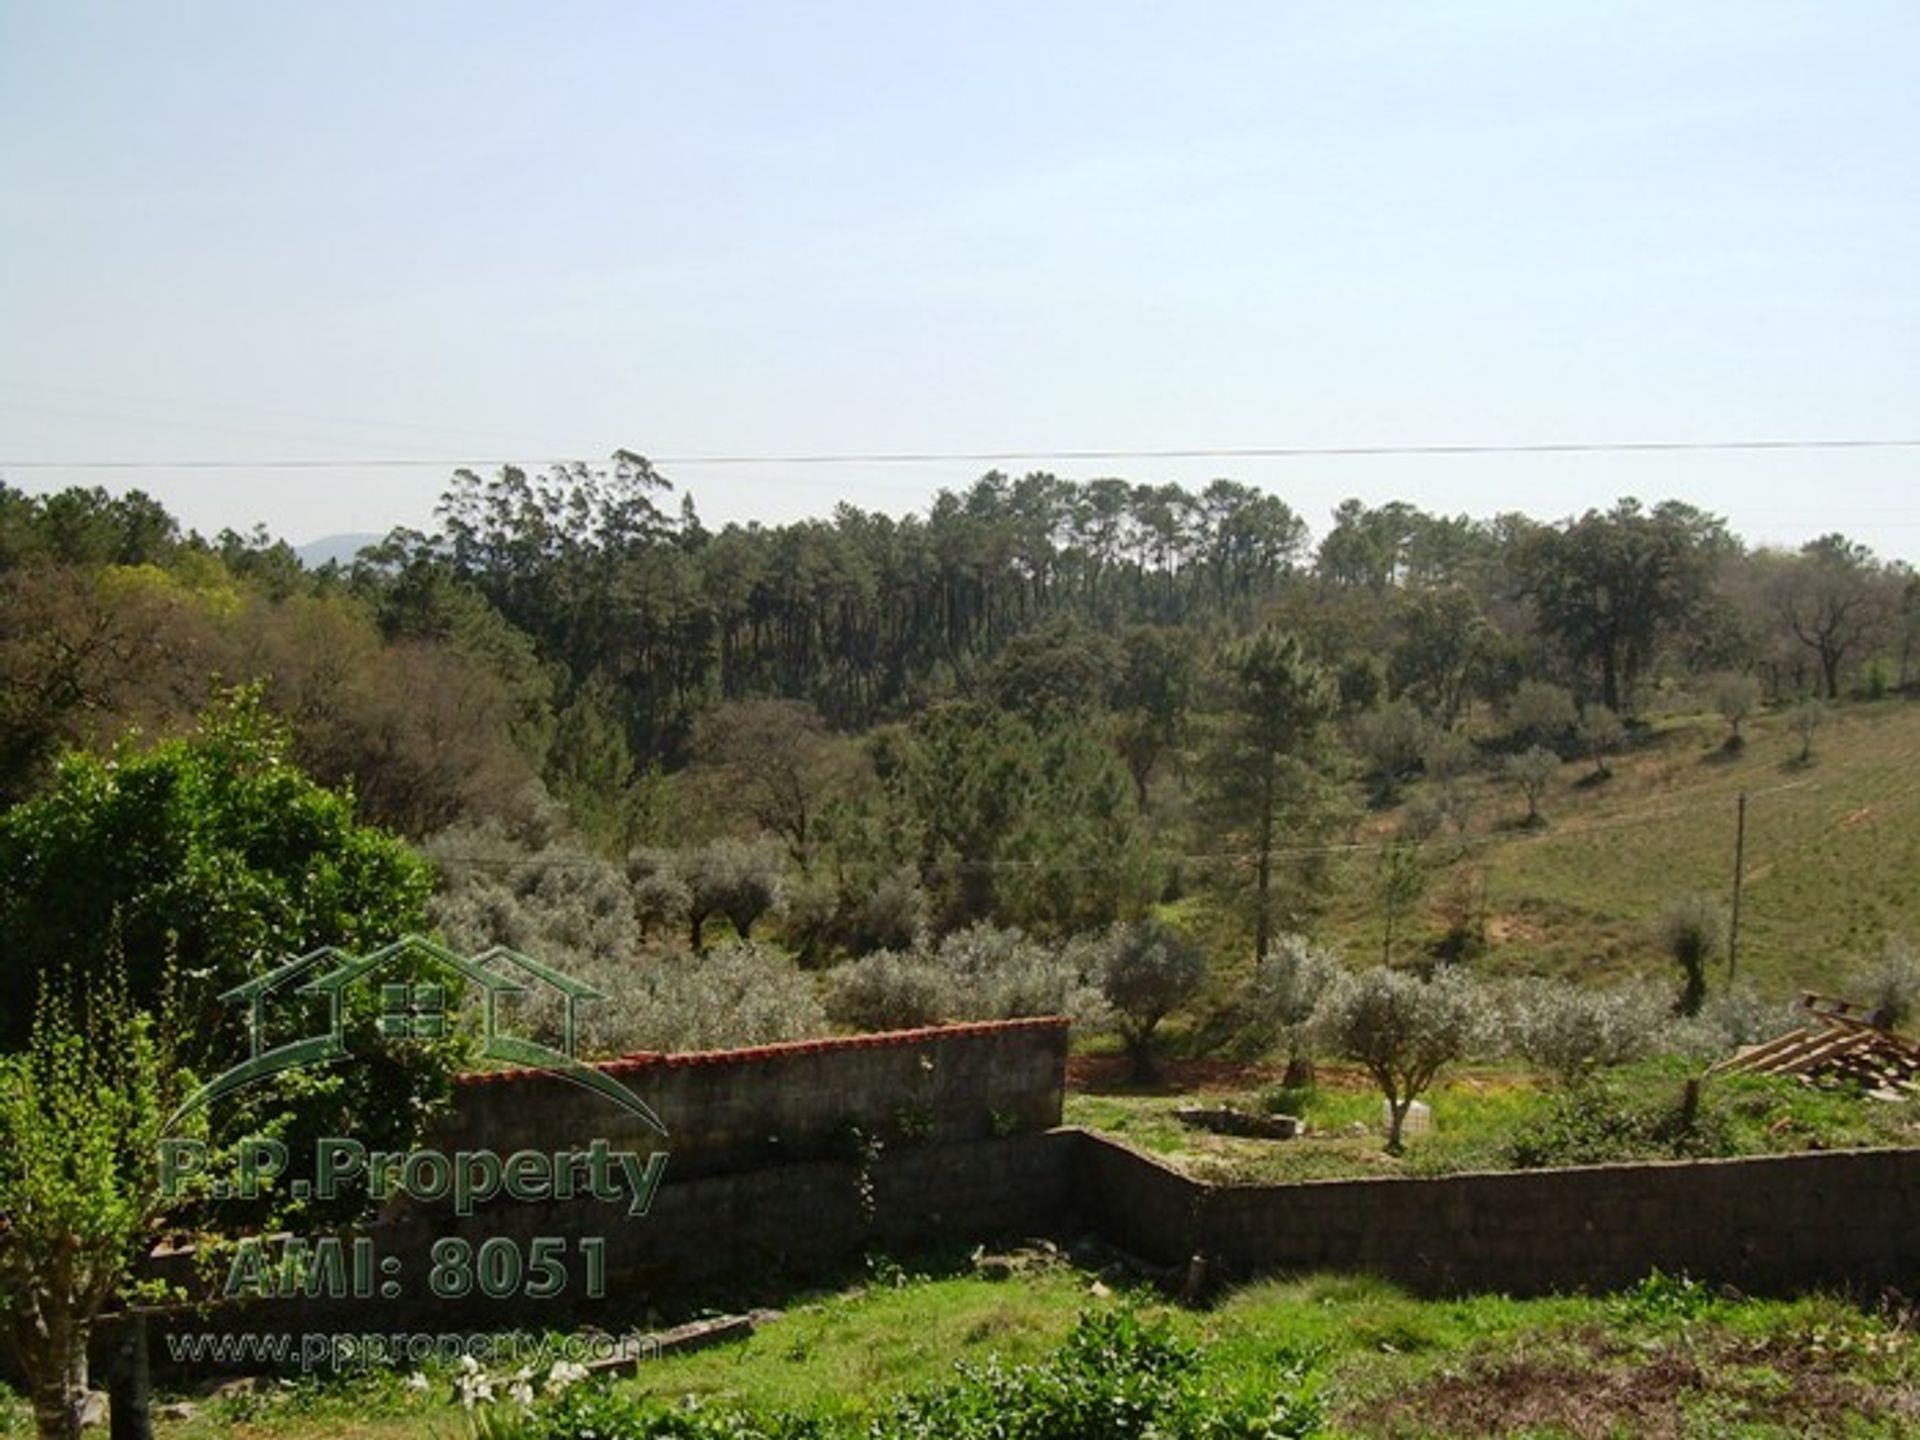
point(1514, 928)
point(1648, 1392)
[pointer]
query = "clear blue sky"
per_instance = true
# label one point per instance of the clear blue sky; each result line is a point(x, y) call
point(527, 231)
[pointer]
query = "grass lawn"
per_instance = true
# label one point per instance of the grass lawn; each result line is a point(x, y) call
point(1488, 1119)
point(1666, 1359)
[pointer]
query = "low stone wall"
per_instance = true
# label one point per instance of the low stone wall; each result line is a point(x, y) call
point(1769, 1224)
point(778, 1104)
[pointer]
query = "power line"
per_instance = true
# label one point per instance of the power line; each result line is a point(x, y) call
point(994, 457)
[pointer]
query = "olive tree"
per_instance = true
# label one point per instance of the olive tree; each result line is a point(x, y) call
point(1288, 987)
point(1601, 735)
point(1531, 772)
point(1150, 971)
point(1736, 697)
point(1805, 718)
point(1569, 1031)
point(1402, 1029)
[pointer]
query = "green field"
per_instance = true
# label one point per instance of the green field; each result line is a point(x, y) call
point(1833, 853)
point(1667, 1359)
point(1495, 1119)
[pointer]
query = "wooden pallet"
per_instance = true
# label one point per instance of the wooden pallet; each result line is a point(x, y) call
point(1837, 1046)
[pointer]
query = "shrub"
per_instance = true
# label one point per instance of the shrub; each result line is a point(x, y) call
point(1000, 974)
point(1692, 930)
point(1621, 1117)
point(888, 990)
point(1892, 987)
point(983, 972)
point(1392, 739)
point(1116, 1377)
point(1601, 734)
point(738, 993)
point(1540, 713)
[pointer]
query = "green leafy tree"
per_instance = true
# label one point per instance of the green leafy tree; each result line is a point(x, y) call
point(1077, 855)
point(1736, 697)
point(773, 763)
point(212, 853)
point(1612, 587)
point(1443, 652)
point(206, 861)
point(1836, 600)
point(1540, 713)
point(1399, 882)
point(82, 1111)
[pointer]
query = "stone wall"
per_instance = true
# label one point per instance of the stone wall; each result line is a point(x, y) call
point(779, 1104)
point(1768, 1224)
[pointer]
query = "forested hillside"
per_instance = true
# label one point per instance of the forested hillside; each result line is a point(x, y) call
point(1042, 704)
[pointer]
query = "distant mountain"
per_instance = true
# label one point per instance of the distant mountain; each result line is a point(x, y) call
point(343, 548)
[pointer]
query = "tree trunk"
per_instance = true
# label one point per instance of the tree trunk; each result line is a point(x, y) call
point(59, 1388)
point(1263, 921)
point(130, 1388)
point(1396, 1119)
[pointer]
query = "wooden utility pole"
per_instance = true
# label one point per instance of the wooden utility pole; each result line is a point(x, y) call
point(1739, 866)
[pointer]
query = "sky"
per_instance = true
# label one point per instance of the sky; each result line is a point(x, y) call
point(489, 232)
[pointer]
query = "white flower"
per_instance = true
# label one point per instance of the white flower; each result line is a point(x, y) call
point(475, 1386)
point(418, 1381)
point(563, 1374)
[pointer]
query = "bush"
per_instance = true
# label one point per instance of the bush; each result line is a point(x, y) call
point(1116, 1377)
point(1000, 974)
point(1621, 1117)
point(980, 973)
point(1892, 987)
point(887, 990)
point(1540, 714)
point(1803, 719)
point(1735, 697)
point(1692, 930)
point(738, 993)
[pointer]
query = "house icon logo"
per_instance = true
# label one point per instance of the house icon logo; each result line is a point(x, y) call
point(411, 1007)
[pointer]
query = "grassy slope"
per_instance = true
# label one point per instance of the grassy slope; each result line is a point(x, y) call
point(1833, 853)
point(1664, 1360)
